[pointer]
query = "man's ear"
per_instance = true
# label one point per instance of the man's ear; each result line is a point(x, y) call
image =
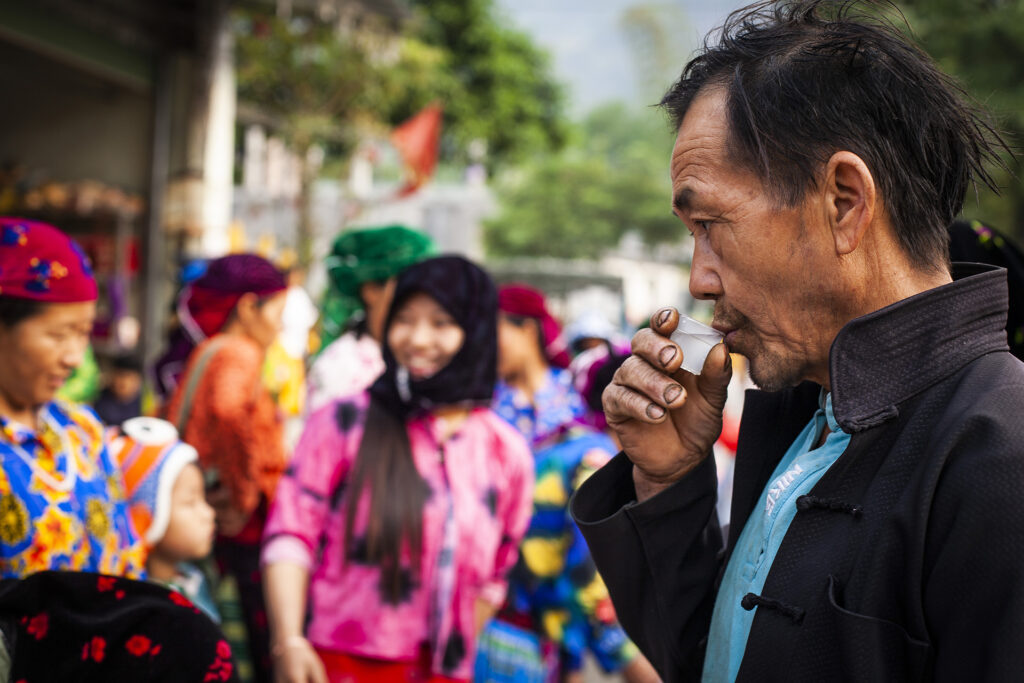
point(850, 196)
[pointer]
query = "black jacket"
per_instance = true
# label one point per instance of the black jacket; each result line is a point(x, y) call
point(905, 561)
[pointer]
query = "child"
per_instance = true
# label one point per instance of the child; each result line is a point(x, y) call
point(121, 399)
point(167, 504)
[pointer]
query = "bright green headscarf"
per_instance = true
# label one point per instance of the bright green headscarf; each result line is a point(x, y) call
point(361, 256)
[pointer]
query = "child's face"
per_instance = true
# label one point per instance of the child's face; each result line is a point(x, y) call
point(190, 530)
point(126, 384)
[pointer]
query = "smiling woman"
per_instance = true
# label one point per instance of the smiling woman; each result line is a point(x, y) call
point(424, 336)
point(403, 507)
point(60, 506)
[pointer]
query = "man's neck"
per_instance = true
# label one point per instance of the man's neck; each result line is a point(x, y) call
point(885, 289)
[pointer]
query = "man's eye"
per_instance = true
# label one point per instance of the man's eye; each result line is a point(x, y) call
point(703, 225)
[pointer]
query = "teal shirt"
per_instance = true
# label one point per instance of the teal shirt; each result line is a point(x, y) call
point(796, 474)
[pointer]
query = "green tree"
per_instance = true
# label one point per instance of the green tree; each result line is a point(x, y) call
point(982, 43)
point(579, 204)
point(327, 85)
point(330, 85)
point(506, 93)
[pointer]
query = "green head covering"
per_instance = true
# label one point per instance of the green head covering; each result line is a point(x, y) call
point(361, 256)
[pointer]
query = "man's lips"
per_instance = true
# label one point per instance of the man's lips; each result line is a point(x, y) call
point(724, 329)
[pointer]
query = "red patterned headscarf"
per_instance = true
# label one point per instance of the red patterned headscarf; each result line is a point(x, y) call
point(527, 302)
point(39, 262)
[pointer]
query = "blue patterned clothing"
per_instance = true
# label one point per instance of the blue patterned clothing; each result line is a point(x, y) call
point(85, 528)
point(555, 408)
point(554, 589)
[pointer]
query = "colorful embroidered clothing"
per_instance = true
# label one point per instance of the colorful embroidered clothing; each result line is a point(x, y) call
point(234, 422)
point(482, 478)
point(554, 589)
point(84, 528)
point(558, 408)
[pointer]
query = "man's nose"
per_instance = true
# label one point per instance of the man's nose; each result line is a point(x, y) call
point(704, 279)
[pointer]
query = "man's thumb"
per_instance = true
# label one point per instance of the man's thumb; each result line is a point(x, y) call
point(714, 377)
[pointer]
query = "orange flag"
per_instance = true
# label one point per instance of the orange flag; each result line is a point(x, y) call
point(417, 141)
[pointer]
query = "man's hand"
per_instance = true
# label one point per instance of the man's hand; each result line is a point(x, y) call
point(666, 418)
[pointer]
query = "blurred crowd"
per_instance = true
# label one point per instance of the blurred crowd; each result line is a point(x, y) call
point(374, 487)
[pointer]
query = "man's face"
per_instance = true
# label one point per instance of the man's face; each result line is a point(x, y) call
point(765, 267)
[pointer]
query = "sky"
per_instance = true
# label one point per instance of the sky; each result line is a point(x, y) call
point(589, 48)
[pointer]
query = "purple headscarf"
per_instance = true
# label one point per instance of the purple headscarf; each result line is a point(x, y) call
point(206, 305)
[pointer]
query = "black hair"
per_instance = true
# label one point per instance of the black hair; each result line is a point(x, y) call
point(14, 310)
point(129, 362)
point(385, 469)
point(806, 78)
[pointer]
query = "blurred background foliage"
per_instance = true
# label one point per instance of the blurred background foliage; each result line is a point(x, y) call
point(332, 83)
point(565, 188)
point(612, 179)
point(981, 42)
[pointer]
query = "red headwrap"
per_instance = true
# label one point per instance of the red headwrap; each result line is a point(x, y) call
point(38, 261)
point(207, 304)
point(527, 302)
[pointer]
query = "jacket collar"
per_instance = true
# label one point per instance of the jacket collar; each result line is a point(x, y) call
point(881, 359)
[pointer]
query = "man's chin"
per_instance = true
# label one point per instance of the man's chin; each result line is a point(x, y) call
point(770, 375)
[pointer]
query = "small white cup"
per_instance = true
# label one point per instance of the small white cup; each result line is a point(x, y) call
point(695, 339)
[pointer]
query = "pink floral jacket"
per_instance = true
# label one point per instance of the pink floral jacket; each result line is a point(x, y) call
point(484, 481)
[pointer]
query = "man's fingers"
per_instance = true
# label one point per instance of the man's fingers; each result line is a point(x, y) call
point(659, 351)
point(713, 382)
point(622, 404)
point(665, 321)
point(638, 375)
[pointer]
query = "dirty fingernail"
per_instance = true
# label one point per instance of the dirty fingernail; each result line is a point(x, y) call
point(667, 354)
point(672, 393)
point(654, 411)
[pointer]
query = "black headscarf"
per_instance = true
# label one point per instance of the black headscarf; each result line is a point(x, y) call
point(468, 294)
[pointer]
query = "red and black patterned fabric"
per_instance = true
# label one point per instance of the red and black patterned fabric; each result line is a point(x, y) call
point(83, 627)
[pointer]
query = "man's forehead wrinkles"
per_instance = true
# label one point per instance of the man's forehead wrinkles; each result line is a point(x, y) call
point(696, 152)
